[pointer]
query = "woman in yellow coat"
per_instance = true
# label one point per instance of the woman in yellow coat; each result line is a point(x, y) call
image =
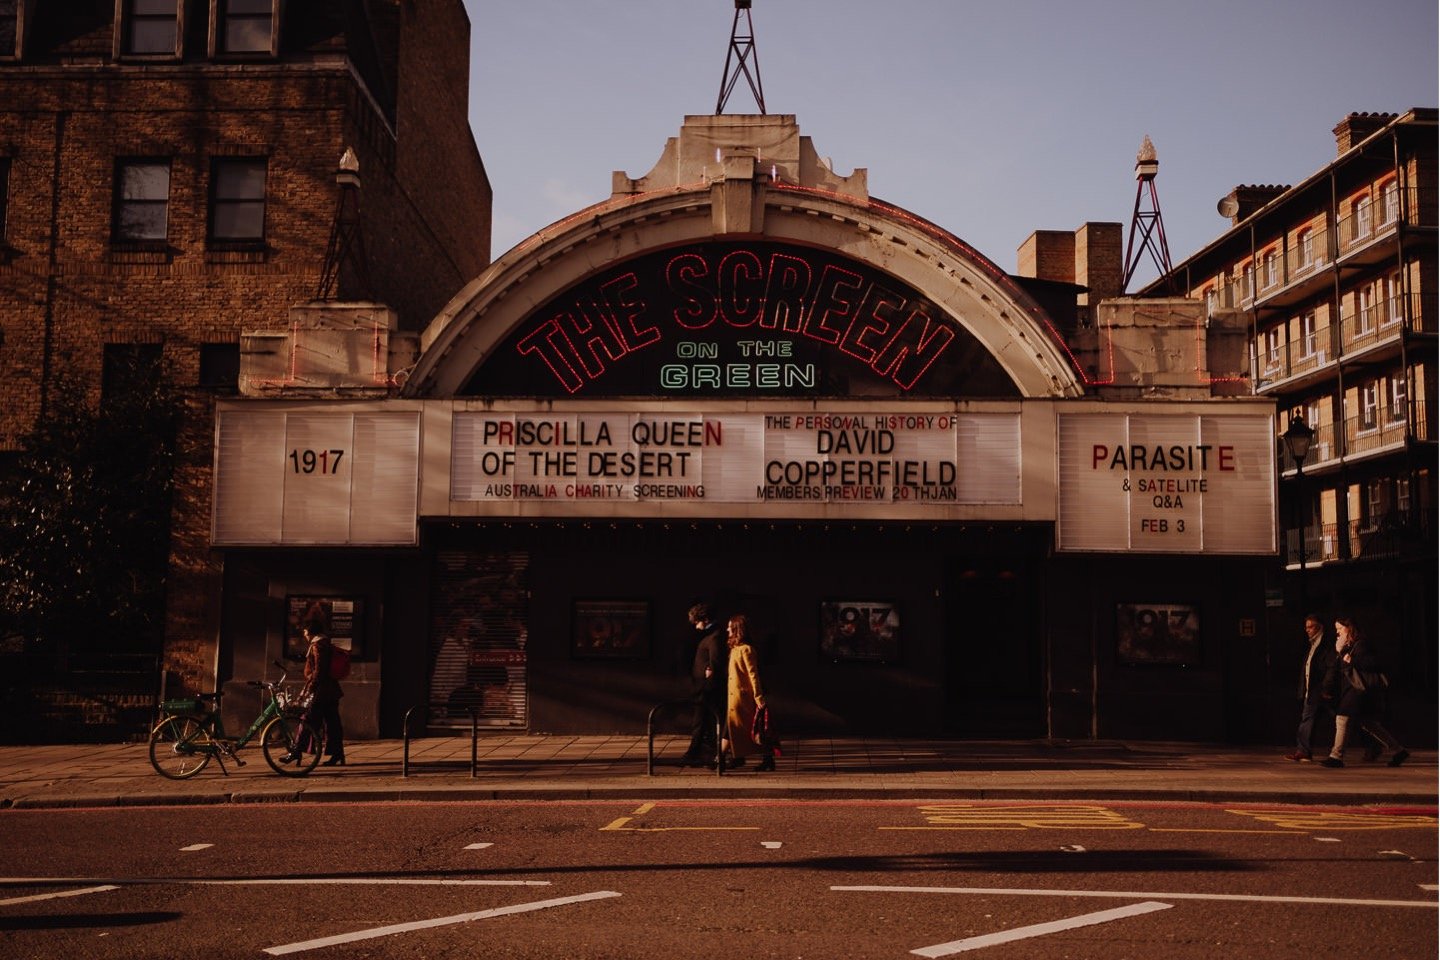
point(744, 697)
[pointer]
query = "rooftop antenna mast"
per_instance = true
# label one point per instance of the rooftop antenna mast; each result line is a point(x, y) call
point(346, 240)
point(1146, 219)
point(742, 54)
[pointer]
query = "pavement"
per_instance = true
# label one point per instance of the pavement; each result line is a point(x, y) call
point(562, 767)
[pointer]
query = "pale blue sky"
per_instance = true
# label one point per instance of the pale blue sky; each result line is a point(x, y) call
point(992, 119)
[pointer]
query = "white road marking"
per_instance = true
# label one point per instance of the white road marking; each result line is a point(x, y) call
point(1141, 895)
point(196, 846)
point(770, 844)
point(1039, 929)
point(478, 846)
point(57, 895)
point(1328, 839)
point(278, 882)
point(1073, 848)
point(1428, 886)
point(437, 922)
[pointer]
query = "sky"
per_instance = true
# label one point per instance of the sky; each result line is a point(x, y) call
point(992, 119)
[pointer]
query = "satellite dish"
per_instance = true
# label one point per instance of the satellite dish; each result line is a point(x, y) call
point(1228, 206)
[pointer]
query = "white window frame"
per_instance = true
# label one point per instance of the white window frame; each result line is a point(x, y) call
point(1399, 400)
point(1272, 270)
point(1369, 406)
point(1362, 225)
point(1390, 202)
point(1392, 310)
point(1364, 310)
point(1273, 341)
point(1306, 241)
point(1247, 282)
point(1307, 334)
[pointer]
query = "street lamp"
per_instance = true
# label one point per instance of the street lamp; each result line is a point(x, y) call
point(1298, 437)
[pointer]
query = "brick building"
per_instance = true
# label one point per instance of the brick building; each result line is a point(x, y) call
point(168, 180)
point(1335, 280)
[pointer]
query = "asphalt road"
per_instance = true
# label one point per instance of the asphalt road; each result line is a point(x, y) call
point(726, 878)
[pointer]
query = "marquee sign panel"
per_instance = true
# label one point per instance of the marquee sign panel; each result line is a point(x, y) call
point(1164, 483)
point(780, 458)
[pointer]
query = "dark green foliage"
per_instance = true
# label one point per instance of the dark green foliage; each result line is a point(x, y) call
point(85, 521)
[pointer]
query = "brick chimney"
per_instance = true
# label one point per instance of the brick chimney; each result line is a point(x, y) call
point(1251, 197)
point(1357, 127)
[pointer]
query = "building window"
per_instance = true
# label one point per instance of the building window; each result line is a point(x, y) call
point(1398, 390)
point(1391, 306)
point(1247, 282)
point(1360, 221)
point(1402, 495)
point(1272, 348)
point(1209, 301)
point(1272, 270)
point(1364, 310)
point(1307, 248)
point(237, 199)
point(151, 27)
point(9, 29)
point(1370, 405)
point(247, 26)
point(142, 200)
point(1390, 202)
point(1307, 334)
point(220, 366)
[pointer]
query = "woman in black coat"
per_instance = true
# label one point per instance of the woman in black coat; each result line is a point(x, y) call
point(326, 692)
point(1357, 680)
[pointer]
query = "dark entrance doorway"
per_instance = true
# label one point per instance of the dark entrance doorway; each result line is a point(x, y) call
point(994, 668)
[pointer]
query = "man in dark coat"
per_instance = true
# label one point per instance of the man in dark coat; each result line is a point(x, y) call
point(708, 672)
point(1311, 689)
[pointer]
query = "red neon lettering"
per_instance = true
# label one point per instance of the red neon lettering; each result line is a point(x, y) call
point(552, 345)
point(870, 321)
point(682, 274)
point(831, 302)
point(742, 278)
point(785, 288)
point(929, 340)
point(627, 311)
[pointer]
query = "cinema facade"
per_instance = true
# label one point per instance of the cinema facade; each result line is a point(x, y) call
point(946, 508)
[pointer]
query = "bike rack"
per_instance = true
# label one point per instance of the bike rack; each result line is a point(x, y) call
point(474, 736)
point(670, 706)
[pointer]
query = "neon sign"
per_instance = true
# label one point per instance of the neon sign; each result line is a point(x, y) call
point(740, 319)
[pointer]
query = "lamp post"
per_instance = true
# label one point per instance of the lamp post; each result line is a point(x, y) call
point(1298, 437)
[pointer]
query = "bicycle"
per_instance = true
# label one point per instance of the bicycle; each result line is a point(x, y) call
point(191, 734)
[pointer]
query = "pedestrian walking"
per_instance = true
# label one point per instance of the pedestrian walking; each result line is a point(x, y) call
point(1358, 683)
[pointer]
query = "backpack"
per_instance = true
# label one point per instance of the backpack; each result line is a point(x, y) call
point(339, 663)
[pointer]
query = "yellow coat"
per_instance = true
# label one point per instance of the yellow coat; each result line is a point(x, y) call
point(744, 696)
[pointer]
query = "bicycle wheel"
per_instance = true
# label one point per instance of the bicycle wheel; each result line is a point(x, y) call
point(288, 737)
point(180, 747)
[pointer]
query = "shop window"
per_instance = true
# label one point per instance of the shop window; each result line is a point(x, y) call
point(220, 366)
point(142, 200)
point(1370, 405)
point(246, 27)
point(237, 200)
point(150, 28)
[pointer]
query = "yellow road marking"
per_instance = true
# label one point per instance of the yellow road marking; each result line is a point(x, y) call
point(1313, 820)
point(965, 816)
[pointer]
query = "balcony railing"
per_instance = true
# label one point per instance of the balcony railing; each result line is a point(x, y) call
point(1377, 322)
point(1382, 428)
point(1399, 533)
point(1293, 357)
point(1354, 232)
